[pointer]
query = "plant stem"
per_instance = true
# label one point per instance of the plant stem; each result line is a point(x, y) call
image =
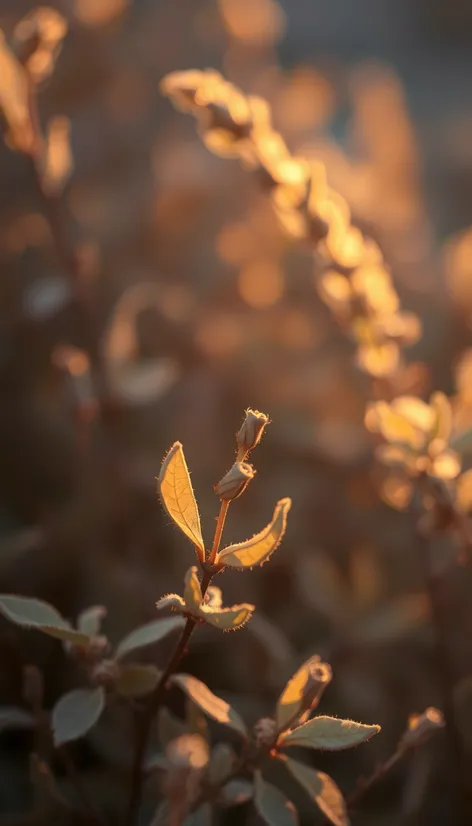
point(433, 584)
point(144, 728)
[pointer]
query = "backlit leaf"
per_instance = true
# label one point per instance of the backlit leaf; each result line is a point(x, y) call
point(137, 680)
point(192, 592)
point(76, 712)
point(178, 498)
point(209, 703)
point(13, 717)
point(257, 550)
point(227, 619)
point(393, 426)
point(272, 805)
point(322, 789)
point(34, 613)
point(295, 692)
point(201, 817)
point(443, 424)
point(14, 99)
point(328, 733)
point(90, 620)
point(148, 634)
point(172, 601)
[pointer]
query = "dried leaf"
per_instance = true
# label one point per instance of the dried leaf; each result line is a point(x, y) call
point(178, 498)
point(227, 619)
point(137, 680)
point(76, 712)
point(209, 703)
point(257, 550)
point(322, 789)
point(193, 591)
point(34, 613)
point(329, 733)
point(148, 634)
point(272, 805)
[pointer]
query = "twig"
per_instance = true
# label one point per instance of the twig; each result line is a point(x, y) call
point(144, 728)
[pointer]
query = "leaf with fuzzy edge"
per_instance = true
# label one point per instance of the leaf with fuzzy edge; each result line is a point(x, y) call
point(272, 805)
point(148, 634)
point(177, 495)
point(192, 591)
point(329, 733)
point(227, 619)
point(90, 620)
point(209, 703)
point(322, 789)
point(257, 550)
point(37, 614)
point(75, 713)
point(172, 601)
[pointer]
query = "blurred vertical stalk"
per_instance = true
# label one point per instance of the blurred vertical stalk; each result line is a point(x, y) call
point(434, 586)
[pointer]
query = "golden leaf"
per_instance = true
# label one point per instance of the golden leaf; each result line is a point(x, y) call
point(177, 495)
point(257, 550)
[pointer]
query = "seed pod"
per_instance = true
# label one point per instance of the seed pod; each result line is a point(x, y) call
point(251, 429)
point(235, 481)
point(421, 727)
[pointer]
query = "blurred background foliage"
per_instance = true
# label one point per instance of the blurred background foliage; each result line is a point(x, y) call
point(205, 307)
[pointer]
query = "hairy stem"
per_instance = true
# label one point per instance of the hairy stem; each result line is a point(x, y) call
point(218, 531)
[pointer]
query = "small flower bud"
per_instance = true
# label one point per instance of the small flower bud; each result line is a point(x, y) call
point(421, 727)
point(319, 677)
point(235, 481)
point(265, 732)
point(105, 673)
point(251, 429)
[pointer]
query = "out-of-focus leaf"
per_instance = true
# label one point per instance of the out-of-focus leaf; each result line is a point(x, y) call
point(58, 162)
point(322, 587)
point(236, 792)
point(76, 712)
point(394, 426)
point(201, 817)
point(272, 805)
point(148, 634)
point(301, 686)
point(192, 591)
point(38, 39)
point(189, 750)
point(196, 721)
point(322, 789)
point(90, 620)
point(14, 100)
point(209, 703)
point(136, 680)
point(178, 498)
point(172, 601)
point(328, 733)
point(222, 762)
point(12, 717)
point(169, 727)
point(365, 576)
point(462, 442)
point(257, 550)
point(395, 619)
point(443, 424)
point(34, 613)
point(227, 619)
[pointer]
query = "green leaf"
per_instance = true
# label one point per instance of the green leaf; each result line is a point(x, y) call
point(34, 613)
point(177, 495)
point(172, 601)
point(137, 680)
point(222, 763)
point(209, 703)
point(13, 717)
point(462, 442)
point(305, 687)
point(227, 619)
point(236, 792)
point(76, 712)
point(322, 789)
point(257, 550)
point(90, 620)
point(329, 733)
point(201, 817)
point(169, 727)
point(148, 634)
point(192, 591)
point(272, 805)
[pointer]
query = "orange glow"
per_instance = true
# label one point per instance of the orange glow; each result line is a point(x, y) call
point(98, 12)
point(261, 283)
point(253, 21)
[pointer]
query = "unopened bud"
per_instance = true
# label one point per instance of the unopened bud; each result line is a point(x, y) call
point(265, 732)
point(251, 429)
point(105, 673)
point(421, 727)
point(319, 677)
point(235, 482)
